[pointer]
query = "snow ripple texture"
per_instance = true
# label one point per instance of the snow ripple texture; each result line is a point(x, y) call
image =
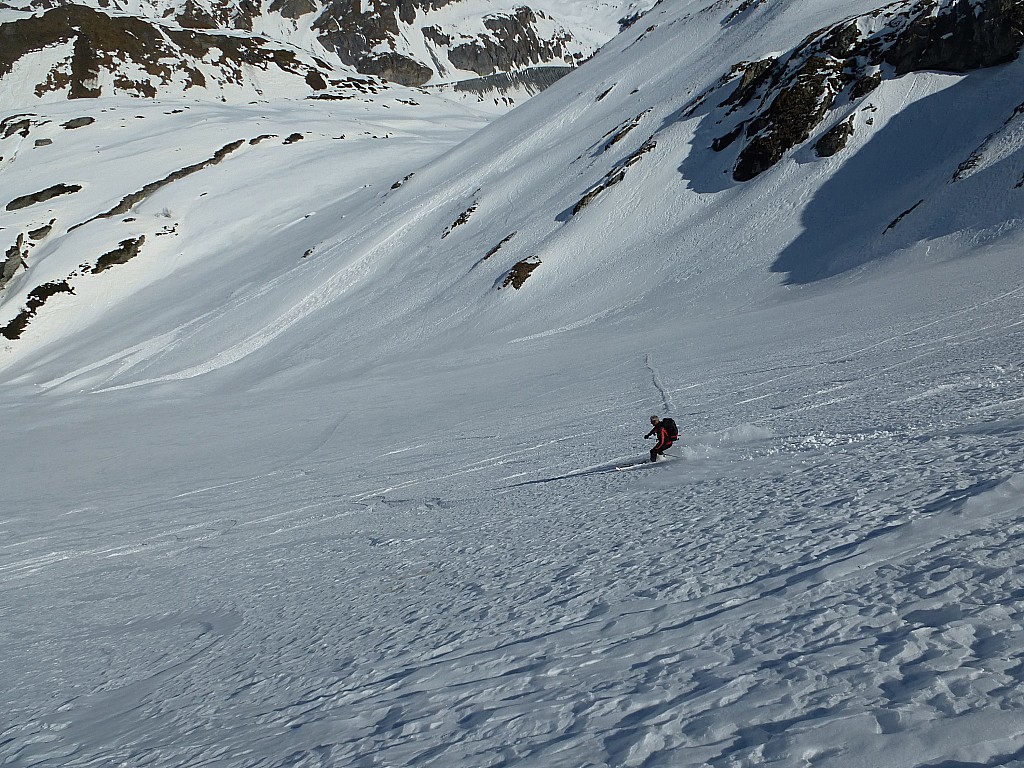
point(829, 575)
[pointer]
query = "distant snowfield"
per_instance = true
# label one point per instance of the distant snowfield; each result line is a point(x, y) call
point(302, 485)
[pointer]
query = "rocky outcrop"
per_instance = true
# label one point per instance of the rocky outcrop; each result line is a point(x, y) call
point(614, 176)
point(462, 219)
point(136, 56)
point(42, 196)
point(37, 297)
point(519, 273)
point(208, 43)
point(777, 104)
point(130, 201)
point(368, 39)
point(14, 260)
point(511, 43)
point(835, 139)
point(125, 251)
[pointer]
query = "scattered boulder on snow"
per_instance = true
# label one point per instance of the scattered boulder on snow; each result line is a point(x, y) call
point(41, 232)
point(78, 122)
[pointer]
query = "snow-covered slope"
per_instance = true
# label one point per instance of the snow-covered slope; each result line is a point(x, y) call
point(327, 472)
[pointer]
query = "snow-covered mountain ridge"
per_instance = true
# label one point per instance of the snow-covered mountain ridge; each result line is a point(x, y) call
point(238, 50)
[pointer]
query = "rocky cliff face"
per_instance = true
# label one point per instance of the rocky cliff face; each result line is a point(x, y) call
point(90, 53)
point(108, 46)
point(776, 104)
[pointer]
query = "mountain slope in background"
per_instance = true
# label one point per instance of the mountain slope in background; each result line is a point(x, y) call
point(314, 411)
point(625, 179)
point(243, 50)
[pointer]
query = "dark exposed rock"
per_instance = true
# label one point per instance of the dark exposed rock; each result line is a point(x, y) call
point(14, 259)
point(142, 55)
point(134, 198)
point(365, 36)
point(462, 219)
point(41, 232)
point(42, 196)
point(966, 36)
point(36, 299)
point(866, 84)
point(902, 216)
point(234, 15)
point(623, 130)
point(436, 36)
point(741, 9)
point(78, 122)
point(194, 16)
point(497, 248)
point(402, 181)
point(16, 124)
point(834, 139)
point(315, 80)
point(753, 75)
point(512, 44)
point(966, 168)
point(614, 176)
point(125, 251)
point(293, 9)
point(724, 141)
point(396, 68)
point(85, 71)
point(790, 117)
point(519, 273)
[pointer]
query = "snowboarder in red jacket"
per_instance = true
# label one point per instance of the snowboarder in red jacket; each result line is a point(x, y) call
point(666, 432)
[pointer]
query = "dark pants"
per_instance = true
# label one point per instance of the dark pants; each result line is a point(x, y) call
point(657, 450)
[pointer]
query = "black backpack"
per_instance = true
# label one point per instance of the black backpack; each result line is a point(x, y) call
point(670, 428)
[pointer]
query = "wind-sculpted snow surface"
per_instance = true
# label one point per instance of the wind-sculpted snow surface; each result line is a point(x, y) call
point(437, 567)
point(310, 454)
